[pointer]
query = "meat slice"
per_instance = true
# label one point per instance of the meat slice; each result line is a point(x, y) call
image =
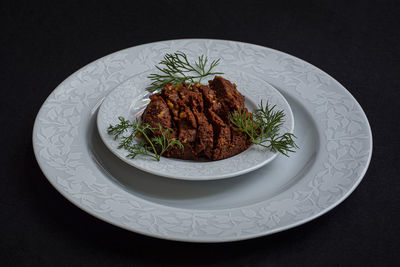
point(196, 100)
point(227, 92)
point(239, 142)
point(222, 136)
point(180, 111)
point(210, 99)
point(187, 134)
point(184, 121)
point(192, 97)
point(156, 113)
point(222, 145)
point(205, 134)
point(171, 97)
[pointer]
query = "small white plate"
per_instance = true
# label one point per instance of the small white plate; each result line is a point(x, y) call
point(332, 132)
point(130, 99)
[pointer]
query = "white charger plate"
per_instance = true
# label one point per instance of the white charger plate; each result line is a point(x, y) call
point(130, 98)
point(333, 134)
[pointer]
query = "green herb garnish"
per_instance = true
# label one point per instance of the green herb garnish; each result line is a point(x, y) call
point(177, 69)
point(262, 126)
point(153, 146)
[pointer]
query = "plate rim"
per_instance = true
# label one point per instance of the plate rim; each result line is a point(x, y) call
point(221, 239)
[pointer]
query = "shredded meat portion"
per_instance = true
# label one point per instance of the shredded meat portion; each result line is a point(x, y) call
point(199, 118)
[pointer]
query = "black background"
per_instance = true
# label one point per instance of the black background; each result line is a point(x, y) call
point(357, 42)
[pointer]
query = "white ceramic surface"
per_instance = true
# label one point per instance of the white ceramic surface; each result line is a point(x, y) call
point(130, 98)
point(333, 134)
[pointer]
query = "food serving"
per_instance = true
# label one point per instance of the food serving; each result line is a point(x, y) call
point(189, 120)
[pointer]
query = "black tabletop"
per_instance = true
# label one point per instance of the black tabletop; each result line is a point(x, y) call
point(357, 42)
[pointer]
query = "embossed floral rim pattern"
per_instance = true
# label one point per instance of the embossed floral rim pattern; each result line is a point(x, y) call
point(60, 145)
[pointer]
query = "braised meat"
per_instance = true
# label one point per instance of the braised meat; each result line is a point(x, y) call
point(199, 118)
point(157, 113)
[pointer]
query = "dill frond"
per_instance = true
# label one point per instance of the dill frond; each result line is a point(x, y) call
point(176, 69)
point(262, 126)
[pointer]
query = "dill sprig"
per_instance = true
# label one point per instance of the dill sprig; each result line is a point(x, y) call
point(177, 69)
point(262, 126)
point(153, 146)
